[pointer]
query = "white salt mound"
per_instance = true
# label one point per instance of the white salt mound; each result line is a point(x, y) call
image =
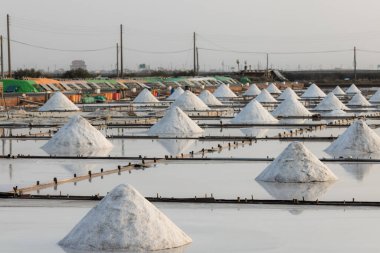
point(359, 100)
point(358, 139)
point(338, 91)
point(253, 90)
point(330, 102)
point(253, 113)
point(77, 135)
point(313, 92)
point(189, 101)
point(178, 92)
point(223, 91)
point(175, 122)
point(288, 92)
point(272, 89)
point(296, 164)
point(291, 107)
point(337, 112)
point(125, 220)
point(145, 97)
point(58, 102)
point(265, 97)
point(353, 89)
point(375, 98)
point(208, 98)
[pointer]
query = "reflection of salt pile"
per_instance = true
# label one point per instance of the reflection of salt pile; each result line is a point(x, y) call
point(177, 146)
point(208, 98)
point(145, 97)
point(58, 102)
point(359, 138)
point(255, 132)
point(265, 97)
point(291, 107)
point(75, 137)
point(253, 90)
point(254, 113)
point(125, 220)
point(337, 112)
point(358, 170)
point(353, 89)
point(359, 100)
point(330, 102)
point(313, 92)
point(296, 164)
point(189, 101)
point(272, 89)
point(338, 91)
point(223, 91)
point(178, 92)
point(288, 92)
point(375, 98)
point(175, 123)
point(105, 113)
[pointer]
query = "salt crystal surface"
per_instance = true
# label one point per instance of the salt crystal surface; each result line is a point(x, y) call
point(313, 92)
point(145, 97)
point(189, 101)
point(253, 90)
point(265, 97)
point(338, 91)
point(291, 107)
point(359, 100)
point(58, 102)
point(272, 89)
point(223, 91)
point(330, 102)
point(253, 113)
point(375, 97)
point(288, 92)
point(353, 89)
point(178, 92)
point(208, 98)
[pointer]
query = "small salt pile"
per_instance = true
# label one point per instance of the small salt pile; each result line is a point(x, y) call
point(189, 101)
point(175, 123)
point(338, 91)
point(253, 90)
point(337, 112)
point(291, 107)
point(145, 97)
point(329, 103)
point(265, 97)
point(313, 92)
point(208, 98)
point(272, 89)
point(254, 113)
point(178, 92)
point(296, 164)
point(125, 221)
point(358, 100)
point(353, 89)
point(375, 98)
point(358, 139)
point(58, 102)
point(223, 91)
point(288, 92)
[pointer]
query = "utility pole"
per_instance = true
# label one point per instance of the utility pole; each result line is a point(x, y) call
point(355, 64)
point(1, 57)
point(197, 61)
point(267, 71)
point(117, 59)
point(9, 49)
point(121, 52)
point(195, 54)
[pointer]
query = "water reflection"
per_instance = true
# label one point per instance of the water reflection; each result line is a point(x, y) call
point(358, 170)
point(292, 121)
point(78, 152)
point(177, 146)
point(81, 167)
point(174, 250)
point(255, 132)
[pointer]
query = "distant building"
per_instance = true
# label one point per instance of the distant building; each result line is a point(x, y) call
point(78, 64)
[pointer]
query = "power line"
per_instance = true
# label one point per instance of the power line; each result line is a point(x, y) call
point(274, 53)
point(157, 52)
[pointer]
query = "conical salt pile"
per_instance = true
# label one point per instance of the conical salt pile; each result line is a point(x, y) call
point(223, 91)
point(313, 92)
point(58, 102)
point(189, 101)
point(125, 221)
point(291, 107)
point(145, 97)
point(208, 98)
point(76, 136)
point(338, 91)
point(296, 164)
point(375, 97)
point(353, 89)
point(359, 100)
point(253, 90)
point(337, 112)
point(265, 97)
point(288, 92)
point(254, 113)
point(272, 89)
point(330, 102)
point(178, 92)
point(175, 122)
point(359, 138)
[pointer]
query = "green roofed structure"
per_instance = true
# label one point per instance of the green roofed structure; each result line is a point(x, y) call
point(19, 86)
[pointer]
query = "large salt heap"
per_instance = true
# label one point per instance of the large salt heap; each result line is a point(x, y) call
point(358, 139)
point(175, 123)
point(253, 90)
point(178, 92)
point(58, 102)
point(288, 92)
point(313, 92)
point(329, 103)
point(208, 98)
point(265, 97)
point(254, 113)
point(296, 164)
point(291, 107)
point(223, 91)
point(189, 101)
point(375, 98)
point(338, 91)
point(76, 136)
point(124, 221)
point(272, 89)
point(145, 97)
point(358, 100)
point(353, 89)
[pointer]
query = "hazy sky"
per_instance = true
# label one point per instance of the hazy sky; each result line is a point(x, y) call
point(167, 25)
